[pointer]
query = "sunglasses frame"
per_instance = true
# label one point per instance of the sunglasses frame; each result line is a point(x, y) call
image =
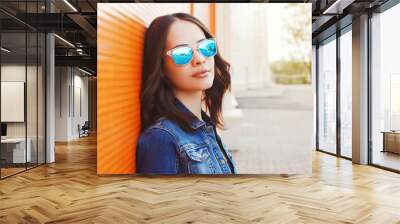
point(169, 52)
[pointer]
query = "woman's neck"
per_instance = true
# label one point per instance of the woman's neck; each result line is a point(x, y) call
point(192, 100)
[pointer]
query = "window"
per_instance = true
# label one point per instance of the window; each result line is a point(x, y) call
point(385, 88)
point(327, 96)
point(346, 93)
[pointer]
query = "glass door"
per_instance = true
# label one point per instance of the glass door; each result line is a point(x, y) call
point(327, 96)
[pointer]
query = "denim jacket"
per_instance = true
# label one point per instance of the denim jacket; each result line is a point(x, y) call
point(165, 148)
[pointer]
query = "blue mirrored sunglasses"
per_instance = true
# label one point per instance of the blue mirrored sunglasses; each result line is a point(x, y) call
point(182, 55)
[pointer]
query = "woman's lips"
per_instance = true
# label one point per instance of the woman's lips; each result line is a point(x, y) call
point(201, 74)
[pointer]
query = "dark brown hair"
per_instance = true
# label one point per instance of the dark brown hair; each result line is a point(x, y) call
point(157, 97)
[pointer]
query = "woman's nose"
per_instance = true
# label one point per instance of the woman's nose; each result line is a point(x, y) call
point(198, 58)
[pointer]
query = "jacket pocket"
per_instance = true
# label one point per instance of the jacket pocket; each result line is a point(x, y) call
point(196, 152)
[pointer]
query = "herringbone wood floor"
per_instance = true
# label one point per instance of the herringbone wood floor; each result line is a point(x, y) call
point(69, 191)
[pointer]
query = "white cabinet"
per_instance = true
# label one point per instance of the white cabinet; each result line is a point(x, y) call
point(17, 146)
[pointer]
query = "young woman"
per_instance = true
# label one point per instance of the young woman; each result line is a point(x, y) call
point(182, 70)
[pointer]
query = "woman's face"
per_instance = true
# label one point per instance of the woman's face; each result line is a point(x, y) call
point(184, 77)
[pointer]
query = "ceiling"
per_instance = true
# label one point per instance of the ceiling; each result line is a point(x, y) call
point(76, 22)
point(330, 15)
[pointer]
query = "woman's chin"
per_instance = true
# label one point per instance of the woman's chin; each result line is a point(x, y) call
point(200, 84)
point(205, 84)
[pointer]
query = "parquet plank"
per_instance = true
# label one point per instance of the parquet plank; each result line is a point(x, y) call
point(70, 191)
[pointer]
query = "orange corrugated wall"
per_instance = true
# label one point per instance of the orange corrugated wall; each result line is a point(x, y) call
point(192, 9)
point(212, 18)
point(120, 48)
point(120, 37)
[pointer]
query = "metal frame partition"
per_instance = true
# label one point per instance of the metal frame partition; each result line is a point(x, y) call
point(339, 32)
point(341, 27)
point(382, 8)
point(318, 45)
point(43, 52)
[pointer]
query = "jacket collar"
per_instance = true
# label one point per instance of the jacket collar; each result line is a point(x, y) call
point(196, 123)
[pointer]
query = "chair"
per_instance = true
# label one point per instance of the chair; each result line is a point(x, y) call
point(84, 130)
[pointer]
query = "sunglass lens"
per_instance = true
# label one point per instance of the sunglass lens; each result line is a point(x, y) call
point(208, 47)
point(182, 55)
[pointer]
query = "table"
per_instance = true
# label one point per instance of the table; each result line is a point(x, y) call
point(391, 141)
point(15, 148)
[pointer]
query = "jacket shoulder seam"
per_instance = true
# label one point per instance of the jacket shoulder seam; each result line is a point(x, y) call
point(169, 132)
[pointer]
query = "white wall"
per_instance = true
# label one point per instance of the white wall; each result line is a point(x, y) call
point(71, 87)
point(12, 73)
point(33, 126)
point(79, 117)
point(247, 54)
point(61, 103)
point(17, 73)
